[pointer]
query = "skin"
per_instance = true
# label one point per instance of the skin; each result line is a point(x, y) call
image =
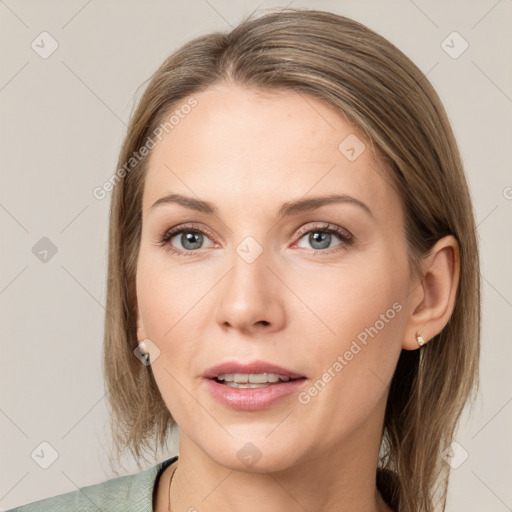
point(296, 305)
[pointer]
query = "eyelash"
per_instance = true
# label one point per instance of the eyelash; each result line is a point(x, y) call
point(345, 237)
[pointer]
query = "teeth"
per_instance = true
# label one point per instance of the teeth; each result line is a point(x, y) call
point(248, 385)
point(252, 378)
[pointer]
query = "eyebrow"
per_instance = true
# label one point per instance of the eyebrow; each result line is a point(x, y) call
point(287, 209)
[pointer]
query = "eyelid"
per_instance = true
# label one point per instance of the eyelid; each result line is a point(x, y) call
point(327, 226)
point(191, 226)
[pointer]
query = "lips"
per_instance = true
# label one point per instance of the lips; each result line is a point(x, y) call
point(254, 367)
point(252, 397)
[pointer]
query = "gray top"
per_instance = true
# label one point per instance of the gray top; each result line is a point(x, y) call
point(133, 493)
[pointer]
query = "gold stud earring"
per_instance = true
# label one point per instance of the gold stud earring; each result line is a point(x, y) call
point(419, 339)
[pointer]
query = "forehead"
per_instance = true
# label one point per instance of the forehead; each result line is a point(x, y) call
point(245, 147)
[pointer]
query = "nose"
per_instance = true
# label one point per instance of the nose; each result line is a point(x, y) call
point(250, 298)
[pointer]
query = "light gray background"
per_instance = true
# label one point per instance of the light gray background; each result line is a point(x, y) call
point(62, 121)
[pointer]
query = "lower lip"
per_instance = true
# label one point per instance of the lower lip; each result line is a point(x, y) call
point(252, 399)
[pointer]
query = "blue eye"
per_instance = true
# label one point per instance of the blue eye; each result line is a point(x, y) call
point(191, 238)
point(320, 237)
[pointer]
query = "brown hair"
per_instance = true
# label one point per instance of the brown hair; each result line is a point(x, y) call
point(383, 94)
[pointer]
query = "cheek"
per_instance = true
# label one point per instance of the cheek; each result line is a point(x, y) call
point(357, 344)
point(344, 302)
point(166, 299)
point(173, 302)
point(167, 295)
point(361, 310)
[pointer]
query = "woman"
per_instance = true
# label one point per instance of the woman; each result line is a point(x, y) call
point(293, 278)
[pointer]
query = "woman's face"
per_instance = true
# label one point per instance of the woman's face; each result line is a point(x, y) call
point(259, 281)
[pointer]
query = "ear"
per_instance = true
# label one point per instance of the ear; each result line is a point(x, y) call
point(432, 294)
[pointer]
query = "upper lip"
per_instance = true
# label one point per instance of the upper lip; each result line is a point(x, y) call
point(251, 367)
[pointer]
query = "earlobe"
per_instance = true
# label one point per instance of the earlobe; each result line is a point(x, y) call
point(433, 299)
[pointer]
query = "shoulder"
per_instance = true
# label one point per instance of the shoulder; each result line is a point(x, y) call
point(132, 493)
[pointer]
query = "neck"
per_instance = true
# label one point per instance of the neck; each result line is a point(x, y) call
point(291, 490)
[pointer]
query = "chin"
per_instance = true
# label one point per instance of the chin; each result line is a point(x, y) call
point(258, 455)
